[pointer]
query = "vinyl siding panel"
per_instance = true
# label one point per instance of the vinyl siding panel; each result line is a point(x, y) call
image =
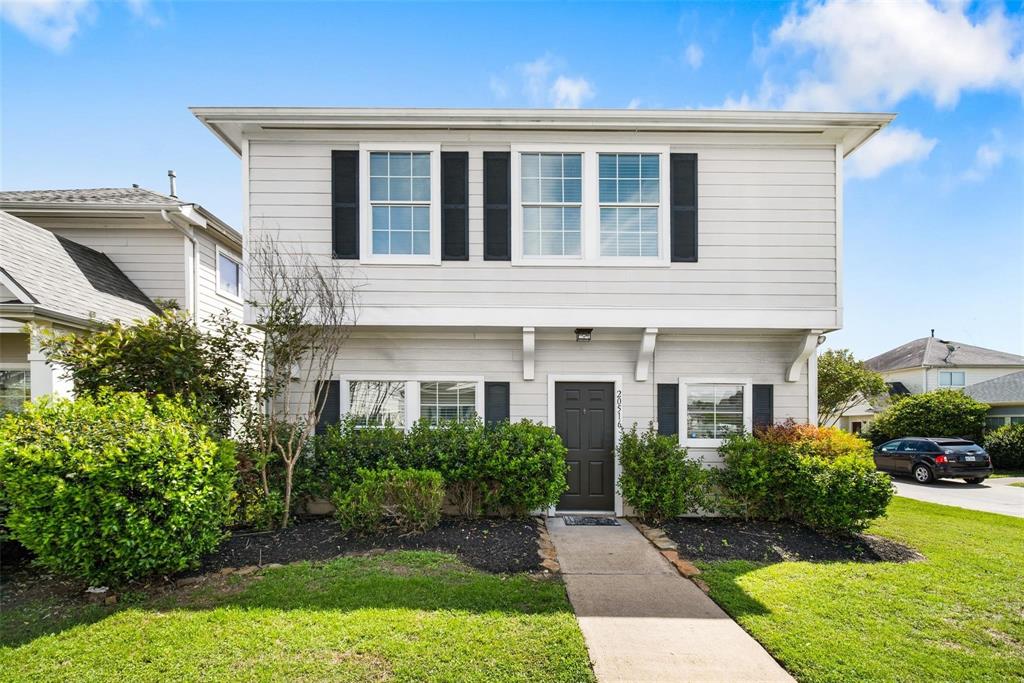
point(211, 302)
point(767, 228)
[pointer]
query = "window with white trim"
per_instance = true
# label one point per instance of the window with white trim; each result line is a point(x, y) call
point(552, 200)
point(454, 401)
point(400, 188)
point(714, 411)
point(15, 389)
point(629, 198)
point(377, 403)
point(229, 274)
point(949, 378)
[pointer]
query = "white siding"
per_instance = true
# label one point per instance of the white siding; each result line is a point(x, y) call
point(767, 234)
point(152, 255)
point(496, 355)
point(211, 301)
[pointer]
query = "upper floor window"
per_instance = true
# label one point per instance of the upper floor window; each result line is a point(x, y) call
point(630, 195)
point(552, 197)
point(400, 199)
point(229, 274)
point(951, 378)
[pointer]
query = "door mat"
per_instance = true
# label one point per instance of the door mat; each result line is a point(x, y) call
point(574, 520)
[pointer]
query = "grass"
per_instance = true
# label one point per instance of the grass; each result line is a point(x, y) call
point(1018, 484)
point(406, 616)
point(998, 474)
point(957, 615)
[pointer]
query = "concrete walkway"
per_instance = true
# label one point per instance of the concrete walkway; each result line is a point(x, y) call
point(643, 621)
point(995, 495)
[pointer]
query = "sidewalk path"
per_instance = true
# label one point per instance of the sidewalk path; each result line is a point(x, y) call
point(995, 495)
point(642, 621)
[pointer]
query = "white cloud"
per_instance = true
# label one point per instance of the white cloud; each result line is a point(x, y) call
point(55, 23)
point(694, 55)
point(543, 82)
point(987, 157)
point(891, 147)
point(570, 93)
point(634, 103)
point(871, 55)
point(52, 23)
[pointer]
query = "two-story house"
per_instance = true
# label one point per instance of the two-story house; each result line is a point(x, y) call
point(930, 363)
point(77, 259)
point(587, 269)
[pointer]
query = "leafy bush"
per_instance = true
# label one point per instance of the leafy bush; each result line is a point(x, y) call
point(345, 449)
point(115, 487)
point(772, 479)
point(455, 449)
point(821, 442)
point(945, 412)
point(658, 480)
point(165, 355)
point(521, 467)
point(1005, 446)
point(406, 500)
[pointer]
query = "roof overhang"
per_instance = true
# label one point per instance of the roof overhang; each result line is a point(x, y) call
point(232, 125)
point(32, 312)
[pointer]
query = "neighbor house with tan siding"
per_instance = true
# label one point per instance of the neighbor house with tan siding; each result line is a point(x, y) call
point(587, 269)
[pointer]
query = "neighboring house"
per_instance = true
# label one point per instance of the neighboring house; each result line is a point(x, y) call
point(1006, 396)
point(587, 269)
point(76, 259)
point(929, 363)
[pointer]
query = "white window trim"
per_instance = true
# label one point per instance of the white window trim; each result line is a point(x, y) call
point(951, 373)
point(748, 409)
point(412, 391)
point(366, 254)
point(590, 213)
point(236, 259)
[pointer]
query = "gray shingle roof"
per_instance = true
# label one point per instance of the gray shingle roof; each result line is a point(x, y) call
point(68, 278)
point(100, 196)
point(934, 352)
point(1005, 389)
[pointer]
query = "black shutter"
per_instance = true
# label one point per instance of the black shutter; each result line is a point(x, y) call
point(763, 405)
point(668, 409)
point(683, 171)
point(330, 399)
point(454, 206)
point(496, 408)
point(497, 206)
point(345, 204)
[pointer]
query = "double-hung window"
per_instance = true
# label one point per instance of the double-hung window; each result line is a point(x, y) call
point(552, 199)
point(452, 401)
point(714, 409)
point(630, 198)
point(951, 379)
point(400, 190)
point(229, 274)
point(377, 403)
point(15, 389)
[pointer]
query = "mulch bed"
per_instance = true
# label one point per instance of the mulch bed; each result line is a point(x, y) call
point(493, 545)
point(714, 539)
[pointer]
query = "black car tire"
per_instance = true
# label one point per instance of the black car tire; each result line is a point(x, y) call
point(923, 474)
point(975, 480)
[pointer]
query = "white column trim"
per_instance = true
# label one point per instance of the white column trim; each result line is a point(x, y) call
point(646, 352)
point(529, 348)
point(806, 348)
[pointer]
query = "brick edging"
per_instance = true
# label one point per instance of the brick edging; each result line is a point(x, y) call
point(546, 549)
point(669, 550)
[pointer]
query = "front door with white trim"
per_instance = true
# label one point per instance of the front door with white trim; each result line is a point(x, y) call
point(585, 421)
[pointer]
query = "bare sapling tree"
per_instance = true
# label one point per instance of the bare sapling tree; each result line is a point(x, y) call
point(305, 310)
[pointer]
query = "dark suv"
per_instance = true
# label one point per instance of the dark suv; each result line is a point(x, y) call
point(928, 459)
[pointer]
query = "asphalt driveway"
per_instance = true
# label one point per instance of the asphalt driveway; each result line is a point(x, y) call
point(995, 495)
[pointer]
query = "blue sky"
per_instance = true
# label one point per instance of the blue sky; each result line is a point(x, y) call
point(95, 94)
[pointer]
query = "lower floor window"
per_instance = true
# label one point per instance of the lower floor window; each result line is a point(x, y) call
point(447, 401)
point(15, 389)
point(713, 411)
point(374, 403)
point(997, 421)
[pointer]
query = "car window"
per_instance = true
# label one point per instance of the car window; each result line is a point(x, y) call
point(909, 446)
point(891, 447)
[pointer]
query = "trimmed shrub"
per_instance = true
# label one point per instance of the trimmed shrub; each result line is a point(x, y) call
point(658, 480)
point(404, 500)
point(1005, 446)
point(944, 412)
point(820, 442)
point(521, 467)
point(453, 449)
point(346, 448)
point(116, 487)
point(772, 480)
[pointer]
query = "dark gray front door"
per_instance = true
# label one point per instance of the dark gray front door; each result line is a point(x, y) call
point(585, 419)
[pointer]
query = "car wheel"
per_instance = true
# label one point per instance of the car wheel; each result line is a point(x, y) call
point(975, 480)
point(923, 474)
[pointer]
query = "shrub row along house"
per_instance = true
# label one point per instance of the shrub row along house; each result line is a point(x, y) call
point(73, 260)
point(586, 269)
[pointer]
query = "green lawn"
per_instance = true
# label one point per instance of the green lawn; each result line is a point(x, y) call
point(998, 474)
point(408, 616)
point(958, 615)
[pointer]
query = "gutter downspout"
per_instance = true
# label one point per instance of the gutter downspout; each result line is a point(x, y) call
point(194, 298)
